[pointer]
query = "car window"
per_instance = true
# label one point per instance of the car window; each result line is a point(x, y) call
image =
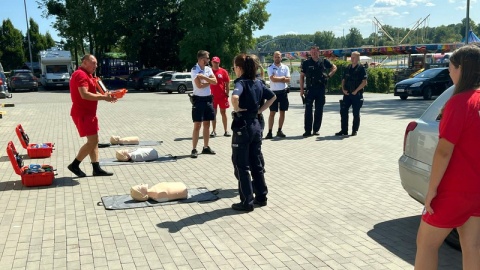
point(167, 76)
point(429, 73)
point(188, 76)
point(24, 75)
point(180, 77)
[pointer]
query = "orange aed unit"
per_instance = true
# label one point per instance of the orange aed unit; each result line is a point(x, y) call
point(33, 175)
point(119, 93)
point(34, 150)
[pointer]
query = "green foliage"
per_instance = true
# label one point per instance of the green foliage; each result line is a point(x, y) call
point(11, 44)
point(380, 80)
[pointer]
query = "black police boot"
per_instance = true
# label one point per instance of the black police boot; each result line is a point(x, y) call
point(354, 133)
point(341, 133)
point(259, 203)
point(307, 134)
point(241, 207)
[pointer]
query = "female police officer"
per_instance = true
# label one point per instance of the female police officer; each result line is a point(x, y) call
point(247, 133)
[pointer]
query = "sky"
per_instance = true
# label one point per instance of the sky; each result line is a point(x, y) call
point(308, 16)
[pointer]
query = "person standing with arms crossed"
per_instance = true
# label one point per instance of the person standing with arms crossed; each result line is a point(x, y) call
point(247, 133)
point(279, 75)
point(220, 92)
point(83, 93)
point(453, 196)
point(353, 82)
point(202, 108)
point(314, 71)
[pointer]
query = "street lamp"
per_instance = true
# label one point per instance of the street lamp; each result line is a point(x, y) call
point(28, 35)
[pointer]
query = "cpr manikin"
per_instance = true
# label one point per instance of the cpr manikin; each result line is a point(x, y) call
point(161, 192)
point(132, 140)
point(137, 155)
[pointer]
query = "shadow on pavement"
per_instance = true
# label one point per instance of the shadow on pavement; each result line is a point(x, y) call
point(57, 182)
point(332, 138)
point(399, 237)
point(176, 226)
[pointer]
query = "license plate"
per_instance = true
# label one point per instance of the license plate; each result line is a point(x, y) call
point(400, 90)
point(59, 84)
point(163, 84)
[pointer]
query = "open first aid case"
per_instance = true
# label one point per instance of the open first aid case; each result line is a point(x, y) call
point(34, 150)
point(32, 175)
point(119, 93)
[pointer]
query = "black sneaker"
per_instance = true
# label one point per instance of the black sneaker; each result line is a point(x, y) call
point(76, 171)
point(241, 207)
point(213, 134)
point(354, 133)
point(341, 133)
point(316, 133)
point(194, 153)
point(281, 134)
point(207, 150)
point(307, 134)
point(269, 136)
point(102, 173)
point(227, 134)
point(260, 204)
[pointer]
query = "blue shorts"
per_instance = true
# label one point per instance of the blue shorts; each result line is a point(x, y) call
point(281, 101)
point(203, 111)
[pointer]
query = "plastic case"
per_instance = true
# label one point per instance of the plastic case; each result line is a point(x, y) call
point(119, 93)
point(29, 179)
point(32, 150)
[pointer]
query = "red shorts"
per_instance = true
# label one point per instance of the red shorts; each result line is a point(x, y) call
point(86, 125)
point(452, 209)
point(221, 102)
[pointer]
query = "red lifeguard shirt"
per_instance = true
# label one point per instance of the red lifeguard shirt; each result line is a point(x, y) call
point(80, 106)
point(460, 125)
point(218, 90)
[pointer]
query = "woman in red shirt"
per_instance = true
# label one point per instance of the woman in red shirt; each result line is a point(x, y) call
point(453, 197)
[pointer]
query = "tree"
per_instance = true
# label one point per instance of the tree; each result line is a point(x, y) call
point(324, 39)
point(226, 31)
point(11, 43)
point(354, 38)
point(37, 41)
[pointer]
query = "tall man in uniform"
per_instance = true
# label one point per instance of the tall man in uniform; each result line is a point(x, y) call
point(316, 71)
point(279, 75)
point(85, 98)
point(202, 108)
point(220, 92)
point(353, 82)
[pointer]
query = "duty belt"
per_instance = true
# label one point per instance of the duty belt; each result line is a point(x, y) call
point(202, 98)
point(245, 115)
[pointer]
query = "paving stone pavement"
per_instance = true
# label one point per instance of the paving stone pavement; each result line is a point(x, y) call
point(334, 203)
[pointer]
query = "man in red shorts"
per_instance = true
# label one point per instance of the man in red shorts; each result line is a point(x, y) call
point(84, 114)
point(220, 92)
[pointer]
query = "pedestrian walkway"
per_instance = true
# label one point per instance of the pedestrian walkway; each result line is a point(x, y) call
point(334, 203)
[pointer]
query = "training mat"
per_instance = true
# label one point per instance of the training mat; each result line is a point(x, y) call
point(118, 202)
point(115, 162)
point(141, 143)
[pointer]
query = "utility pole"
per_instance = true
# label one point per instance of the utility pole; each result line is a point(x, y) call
point(467, 23)
point(28, 35)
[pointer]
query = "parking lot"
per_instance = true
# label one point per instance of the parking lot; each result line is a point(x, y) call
point(333, 203)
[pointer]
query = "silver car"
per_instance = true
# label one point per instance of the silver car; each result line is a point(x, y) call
point(177, 81)
point(420, 142)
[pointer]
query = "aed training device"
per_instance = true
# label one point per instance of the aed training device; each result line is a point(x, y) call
point(32, 175)
point(119, 93)
point(34, 150)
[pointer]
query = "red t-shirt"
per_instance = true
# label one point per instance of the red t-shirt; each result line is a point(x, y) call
point(460, 125)
point(80, 106)
point(218, 90)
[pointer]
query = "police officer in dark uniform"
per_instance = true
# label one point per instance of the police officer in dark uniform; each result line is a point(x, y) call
point(353, 82)
point(317, 71)
point(247, 133)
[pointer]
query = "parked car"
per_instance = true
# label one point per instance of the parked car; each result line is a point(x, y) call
point(22, 79)
point(415, 164)
point(150, 83)
point(135, 80)
point(431, 82)
point(177, 81)
point(3, 86)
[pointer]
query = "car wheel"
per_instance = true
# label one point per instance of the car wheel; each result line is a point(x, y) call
point(35, 89)
point(182, 89)
point(427, 93)
point(453, 240)
point(403, 97)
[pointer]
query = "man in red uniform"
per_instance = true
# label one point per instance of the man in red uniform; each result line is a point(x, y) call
point(220, 92)
point(84, 114)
